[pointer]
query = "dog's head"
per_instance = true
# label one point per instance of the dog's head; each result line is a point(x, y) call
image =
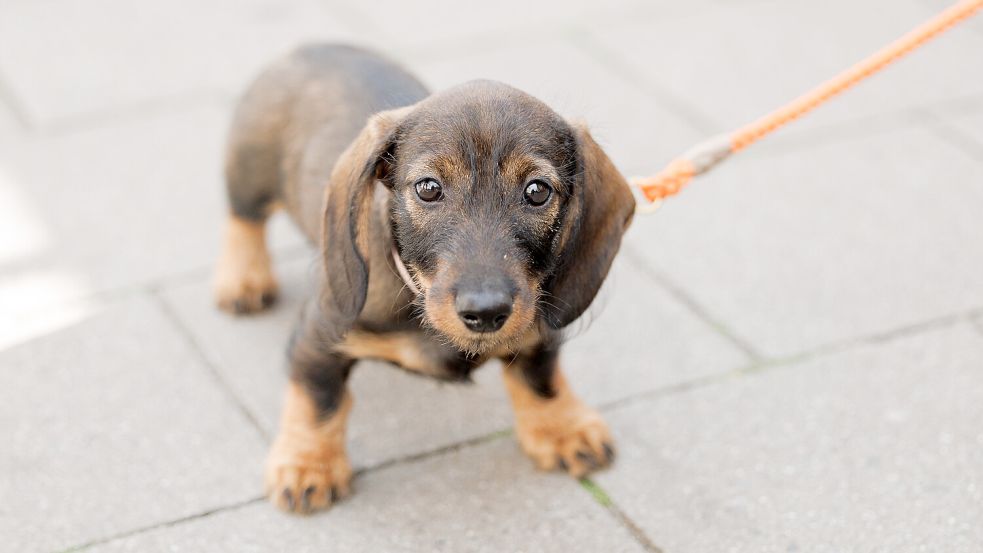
point(503, 213)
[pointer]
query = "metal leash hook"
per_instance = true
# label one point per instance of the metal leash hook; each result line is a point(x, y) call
point(643, 205)
point(698, 160)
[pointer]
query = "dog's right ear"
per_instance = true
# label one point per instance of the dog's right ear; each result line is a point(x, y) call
point(344, 234)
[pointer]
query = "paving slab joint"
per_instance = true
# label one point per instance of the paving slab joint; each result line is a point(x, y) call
point(167, 524)
point(952, 135)
point(699, 121)
point(12, 103)
point(212, 369)
point(490, 437)
point(690, 302)
point(603, 499)
point(977, 322)
point(973, 316)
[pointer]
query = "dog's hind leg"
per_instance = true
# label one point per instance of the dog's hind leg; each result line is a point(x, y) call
point(244, 280)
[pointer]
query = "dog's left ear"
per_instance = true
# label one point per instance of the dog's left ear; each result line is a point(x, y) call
point(345, 235)
point(599, 212)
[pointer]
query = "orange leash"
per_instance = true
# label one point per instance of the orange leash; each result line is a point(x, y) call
point(708, 154)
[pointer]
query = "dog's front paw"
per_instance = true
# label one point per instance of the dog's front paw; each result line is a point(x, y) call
point(303, 479)
point(568, 435)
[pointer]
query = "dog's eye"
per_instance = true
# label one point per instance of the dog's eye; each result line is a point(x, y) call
point(538, 192)
point(429, 190)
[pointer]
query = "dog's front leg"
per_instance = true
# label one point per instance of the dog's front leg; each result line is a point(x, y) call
point(308, 466)
point(553, 425)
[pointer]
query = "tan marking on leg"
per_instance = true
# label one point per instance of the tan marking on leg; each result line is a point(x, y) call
point(401, 348)
point(307, 468)
point(244, 280)
point(559, 431)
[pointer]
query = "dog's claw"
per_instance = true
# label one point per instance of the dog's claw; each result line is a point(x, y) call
point(247, 304)
point(579, 445)
point(308, 460)
point(306, 501)
point(244, 281)
point(608, 452)
point(587, 459)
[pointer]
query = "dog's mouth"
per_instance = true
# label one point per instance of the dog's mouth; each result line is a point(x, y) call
point(478, 343)
point(439, 314)
point(435, 304)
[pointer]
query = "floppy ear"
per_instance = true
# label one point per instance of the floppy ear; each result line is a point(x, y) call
point(344, 232)
point(599, 212)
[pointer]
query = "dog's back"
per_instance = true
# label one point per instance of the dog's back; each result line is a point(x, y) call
point(297, 118)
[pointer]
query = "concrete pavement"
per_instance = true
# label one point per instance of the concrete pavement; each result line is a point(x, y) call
point(790, 354)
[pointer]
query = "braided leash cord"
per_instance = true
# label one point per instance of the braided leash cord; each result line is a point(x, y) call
point(708, 154)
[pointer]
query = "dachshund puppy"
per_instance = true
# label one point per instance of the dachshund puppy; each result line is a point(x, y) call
point(453, 227)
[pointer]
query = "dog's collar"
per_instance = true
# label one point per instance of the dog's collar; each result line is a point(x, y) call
point(404, 273)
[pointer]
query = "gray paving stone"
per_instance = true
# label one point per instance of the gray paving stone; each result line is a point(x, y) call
point(23, 316)
point(801, 249)
point(112, 425)
point(10, 128)
point(875, 449)
point(444, 24)
point(640, 339)
point(744, 59)
point(637, 338)
point(116, 206)
point(65, 59)
point(975, 23)
point(635, 130)
point(482, 498)
point(968, 123)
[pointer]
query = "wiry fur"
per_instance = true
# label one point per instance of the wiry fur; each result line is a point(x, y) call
point(340, 137)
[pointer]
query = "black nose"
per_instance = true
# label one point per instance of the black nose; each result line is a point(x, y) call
point(484, 309)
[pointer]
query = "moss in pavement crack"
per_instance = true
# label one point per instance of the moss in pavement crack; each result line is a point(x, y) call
point(596, 491)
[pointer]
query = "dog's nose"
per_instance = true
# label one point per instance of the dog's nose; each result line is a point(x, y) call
point(484, 310)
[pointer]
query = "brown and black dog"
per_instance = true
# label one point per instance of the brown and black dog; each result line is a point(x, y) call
point(502, 218)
